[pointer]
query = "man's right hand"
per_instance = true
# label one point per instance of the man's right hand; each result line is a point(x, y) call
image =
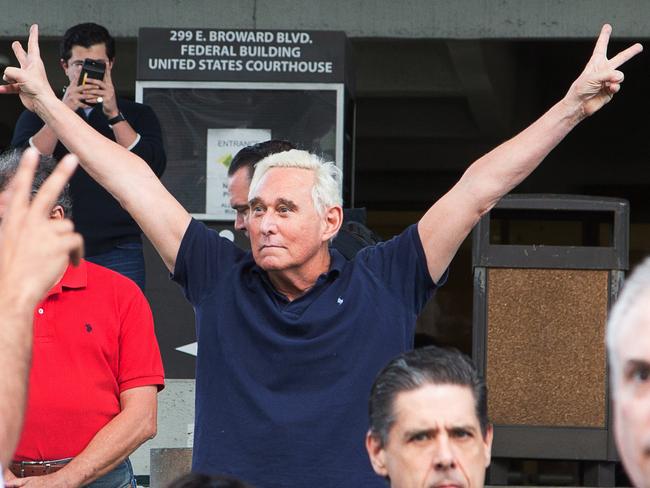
point(30, 80)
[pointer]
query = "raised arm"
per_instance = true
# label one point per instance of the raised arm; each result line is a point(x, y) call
point(127, 177)
point(448, 222)
point(40, 136)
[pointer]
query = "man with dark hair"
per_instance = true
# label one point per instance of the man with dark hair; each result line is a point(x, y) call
point(86, 35)
point(428, 421)
point(96, 370)
point(112, 237)
point(34, 252)
point(240, 174)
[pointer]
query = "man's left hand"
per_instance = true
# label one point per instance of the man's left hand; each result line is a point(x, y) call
point(601, 79)
point(104, 89)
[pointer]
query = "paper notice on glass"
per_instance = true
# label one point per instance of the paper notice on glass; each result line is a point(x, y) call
point(223, 144)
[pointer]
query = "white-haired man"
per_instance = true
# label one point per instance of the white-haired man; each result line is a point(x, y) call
point(628, 348)
point(292, 335)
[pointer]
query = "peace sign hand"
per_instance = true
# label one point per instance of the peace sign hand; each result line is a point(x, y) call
point(30, 80)
point(600, 80)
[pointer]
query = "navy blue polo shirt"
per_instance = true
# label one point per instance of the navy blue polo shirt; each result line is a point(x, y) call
point(282, 387)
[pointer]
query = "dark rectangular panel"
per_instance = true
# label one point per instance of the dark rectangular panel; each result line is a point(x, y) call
point(212, 54)
point(308, 118)
point(549, 443)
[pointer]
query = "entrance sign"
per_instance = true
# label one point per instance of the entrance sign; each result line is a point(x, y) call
point(223, 144)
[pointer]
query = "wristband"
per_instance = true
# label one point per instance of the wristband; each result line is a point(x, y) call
point(118, 118)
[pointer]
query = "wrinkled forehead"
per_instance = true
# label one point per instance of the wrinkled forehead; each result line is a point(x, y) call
point(287, 183)
point(436, 406)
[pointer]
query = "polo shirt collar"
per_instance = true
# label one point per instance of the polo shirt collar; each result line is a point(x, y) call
point(74, 277)
point(337, 262)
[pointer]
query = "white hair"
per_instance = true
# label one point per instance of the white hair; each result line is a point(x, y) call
point(326, 191)
point(635, 292)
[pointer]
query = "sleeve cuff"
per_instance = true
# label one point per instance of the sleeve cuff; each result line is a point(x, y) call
point(31, 144)
point(133, 144)
point(154, 380)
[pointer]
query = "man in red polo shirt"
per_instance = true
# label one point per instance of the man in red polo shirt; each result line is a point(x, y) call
point(96, 370)
point(34, 252)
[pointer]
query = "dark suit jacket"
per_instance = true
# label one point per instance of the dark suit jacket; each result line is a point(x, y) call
point(96, 214)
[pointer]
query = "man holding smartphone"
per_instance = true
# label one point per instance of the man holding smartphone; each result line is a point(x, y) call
point(112, 237)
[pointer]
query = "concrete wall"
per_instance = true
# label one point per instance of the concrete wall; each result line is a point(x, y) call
point(175, 422)
point(449, 19)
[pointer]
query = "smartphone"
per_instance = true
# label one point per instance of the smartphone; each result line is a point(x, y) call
point(92, 69)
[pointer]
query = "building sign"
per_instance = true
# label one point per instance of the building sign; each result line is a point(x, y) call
point(241, 55)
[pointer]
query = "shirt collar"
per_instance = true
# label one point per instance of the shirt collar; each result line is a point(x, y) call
point(337, 262)
point(74, 277)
